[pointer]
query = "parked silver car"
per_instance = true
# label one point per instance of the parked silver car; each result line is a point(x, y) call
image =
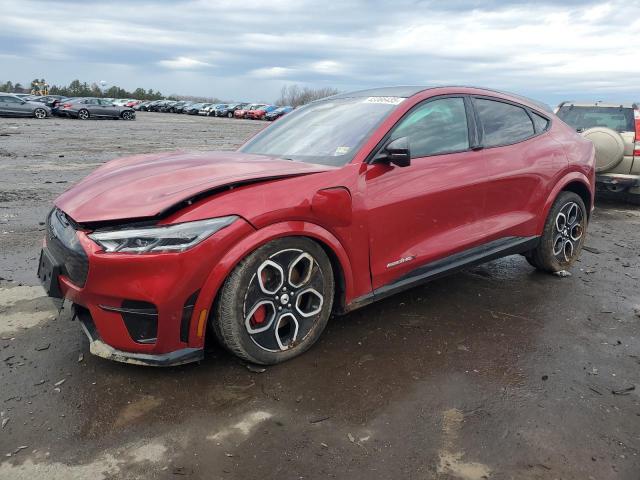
point(614, 129)
point(85, 108)
point(13, 106)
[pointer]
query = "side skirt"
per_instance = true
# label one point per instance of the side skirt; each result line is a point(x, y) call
point(453, 263)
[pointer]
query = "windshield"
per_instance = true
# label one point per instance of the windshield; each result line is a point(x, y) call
point(328, 132)
point(616, 118)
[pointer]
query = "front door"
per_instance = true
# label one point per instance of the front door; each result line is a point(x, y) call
point(434, 207)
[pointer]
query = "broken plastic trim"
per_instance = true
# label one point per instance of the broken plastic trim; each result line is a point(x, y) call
point(99, 348)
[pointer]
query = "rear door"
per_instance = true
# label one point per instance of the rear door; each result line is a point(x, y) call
point(108, 108)
point(522, 160)
point(434, 207)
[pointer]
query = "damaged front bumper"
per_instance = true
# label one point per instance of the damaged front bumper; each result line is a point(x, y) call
point(100, 349)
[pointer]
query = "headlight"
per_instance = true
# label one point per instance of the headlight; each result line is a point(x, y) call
point(169, 238)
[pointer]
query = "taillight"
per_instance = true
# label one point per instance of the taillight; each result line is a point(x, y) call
point(66, 105)
point(636, 148)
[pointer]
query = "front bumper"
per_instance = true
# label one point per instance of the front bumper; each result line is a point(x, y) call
point(148, 309)
point(100, 349)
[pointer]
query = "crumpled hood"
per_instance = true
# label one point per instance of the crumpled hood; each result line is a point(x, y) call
point(144, 186)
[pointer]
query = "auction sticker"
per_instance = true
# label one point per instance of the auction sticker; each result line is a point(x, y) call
point(385, 100)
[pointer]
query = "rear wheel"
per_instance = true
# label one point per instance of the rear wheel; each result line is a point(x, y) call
point(276, 302)
point(230, 114)
point(83, 114)
point(40, 113)
point(563, 234)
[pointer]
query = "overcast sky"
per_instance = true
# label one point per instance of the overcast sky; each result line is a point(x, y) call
point(248, 49)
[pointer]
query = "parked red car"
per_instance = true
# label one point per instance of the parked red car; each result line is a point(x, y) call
point(249, 110)
point(260, 113)
point(338, 204)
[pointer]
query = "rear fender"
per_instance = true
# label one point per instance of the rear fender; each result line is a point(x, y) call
point(559, 187)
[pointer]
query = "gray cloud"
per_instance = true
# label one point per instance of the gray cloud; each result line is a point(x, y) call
point(249, 49)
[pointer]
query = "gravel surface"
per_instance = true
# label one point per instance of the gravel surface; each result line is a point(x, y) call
point(496, 372)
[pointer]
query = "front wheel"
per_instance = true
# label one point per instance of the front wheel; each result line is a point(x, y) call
point(230, 114)
point(40, 113)
point(563, 235)
point(128, 115)
point(83, 114)
point(275, 304)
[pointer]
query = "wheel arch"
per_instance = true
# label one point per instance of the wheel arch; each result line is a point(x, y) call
point(573, 182)
point(326, 240)
point(582, 191)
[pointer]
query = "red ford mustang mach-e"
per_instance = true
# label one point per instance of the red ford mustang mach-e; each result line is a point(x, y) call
point(338, 204)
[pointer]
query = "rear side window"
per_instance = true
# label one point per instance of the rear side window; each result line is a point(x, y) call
point(438, 126)
point(503, 123)
point(581, 118)
point(539, 122)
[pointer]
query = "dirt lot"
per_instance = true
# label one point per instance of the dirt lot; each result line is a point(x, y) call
point(497, 372)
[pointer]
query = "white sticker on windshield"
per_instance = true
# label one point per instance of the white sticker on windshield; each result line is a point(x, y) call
point(385, 100)
point(341, 151)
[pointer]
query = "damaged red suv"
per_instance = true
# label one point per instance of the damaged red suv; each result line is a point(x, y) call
point(342, 202)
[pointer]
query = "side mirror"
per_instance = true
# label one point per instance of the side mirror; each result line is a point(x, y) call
point(396, 152)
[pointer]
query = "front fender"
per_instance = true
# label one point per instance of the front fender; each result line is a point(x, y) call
point(262, 236)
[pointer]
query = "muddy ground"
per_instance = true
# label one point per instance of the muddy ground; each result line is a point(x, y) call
point(497, 372)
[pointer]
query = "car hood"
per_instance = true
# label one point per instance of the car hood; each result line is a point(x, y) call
point(145, 186)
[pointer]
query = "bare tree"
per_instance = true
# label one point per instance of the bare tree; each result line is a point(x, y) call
point(295, 95)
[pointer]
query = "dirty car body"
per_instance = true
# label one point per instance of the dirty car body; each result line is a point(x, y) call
point(147, 247)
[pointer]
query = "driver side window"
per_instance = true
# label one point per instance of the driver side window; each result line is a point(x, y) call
point(435, 127)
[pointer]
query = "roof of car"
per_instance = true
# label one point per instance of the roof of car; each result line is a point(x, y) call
point(599, 103)
point(410, 90)
point(399, 91)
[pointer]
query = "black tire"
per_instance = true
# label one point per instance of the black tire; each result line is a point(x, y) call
point(83, 114)
point(289, 319)
point(562, 240)
point(230, 114)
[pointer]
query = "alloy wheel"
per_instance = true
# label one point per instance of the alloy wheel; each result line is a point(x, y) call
point(283, 300)
point(40, 113)
point(83, 114)
point(569, 228)
point(126, 115)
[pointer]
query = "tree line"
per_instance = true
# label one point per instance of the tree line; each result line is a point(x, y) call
point(293, 95)
point(82, 89)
